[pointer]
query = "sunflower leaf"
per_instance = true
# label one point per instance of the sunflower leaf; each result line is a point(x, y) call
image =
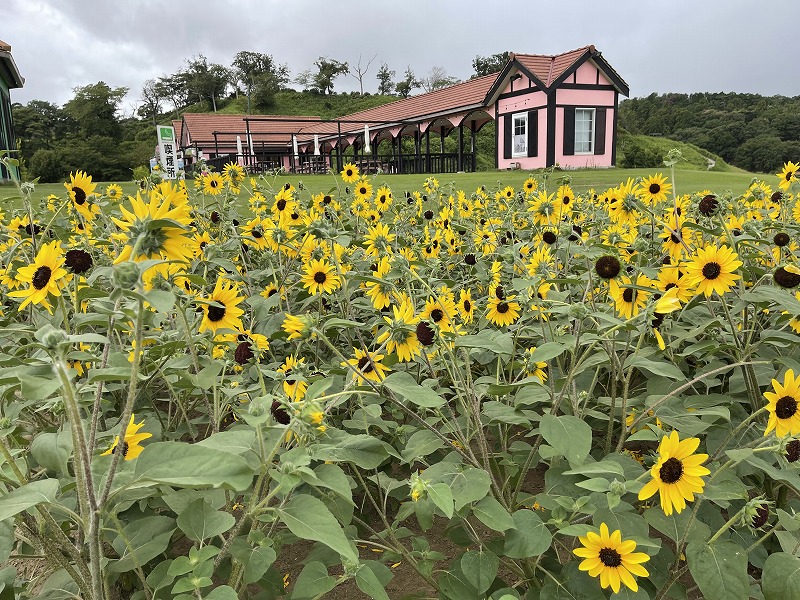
point(308, 518)
point(719, 569)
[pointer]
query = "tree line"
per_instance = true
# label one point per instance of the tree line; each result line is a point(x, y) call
point(753, 132)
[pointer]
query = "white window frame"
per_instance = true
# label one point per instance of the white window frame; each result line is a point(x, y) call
point(593, 113)
point(523, 116)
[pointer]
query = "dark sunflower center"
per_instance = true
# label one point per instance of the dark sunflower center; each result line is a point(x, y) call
point(349, 172)
point(549, 237)
point(123, 449)
point(437, 314)
point(365, 365)
point(271, 292)
point(425, 333)
point(216, 313)
point(610, 557)
point(786, 407)
point(467, 306)
point(711, 270)
point(566, 200)
point(669, 286)
point(671, 471)
point(257, 234)
point(214, 183)
point(789, 175)
point(676, 239)
point(41, 277)
point(502, 308)
point(326, 200)
point(80, 195)
point(629, 294)
point(654, 188)
point(281, 204)
point(362, 190)
point(320, 277)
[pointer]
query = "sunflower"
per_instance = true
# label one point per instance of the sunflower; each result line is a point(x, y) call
point(653, 189)
point(319, 277)
point(784, 406)
point(294, 383)
point(45, 276)
point(502, 312)
point(80, 187)
point(612, 560)
point(440, 310)
point(533, 367)
point(530, 185)
point(255, 232)
point(350, 173)
point(298, 327)
point(712, 270)
point(564, 201)
point(677, 473)
point(367, 365)
point(213, 184)
point(466, 307)
point(167, 241)
point(114, 192)
point(543, 209)
point(628, 300)
point(363, 189)
point(788, 175)
point(378, 240)
point(401, 336)
point(221, 309)
point(383, 198)
point(380, 291)
point(234, 174)
point(131, 441)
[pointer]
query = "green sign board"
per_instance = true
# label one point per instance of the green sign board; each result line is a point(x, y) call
point(166, 133)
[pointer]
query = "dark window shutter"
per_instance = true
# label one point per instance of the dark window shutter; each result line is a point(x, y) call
point(533, 133)
point(569, 130)
point(508, 134)
point(600, 131)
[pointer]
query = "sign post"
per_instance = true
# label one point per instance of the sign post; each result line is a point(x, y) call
point(167, 151)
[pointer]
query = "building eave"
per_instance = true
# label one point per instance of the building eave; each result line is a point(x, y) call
point(14, 79)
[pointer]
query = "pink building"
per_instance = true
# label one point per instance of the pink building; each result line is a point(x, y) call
point(557, 110)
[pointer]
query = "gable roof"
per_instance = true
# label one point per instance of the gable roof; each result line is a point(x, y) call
point(8, 68)
point(548, 71)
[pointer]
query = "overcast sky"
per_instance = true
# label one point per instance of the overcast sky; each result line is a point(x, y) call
point(665, 46)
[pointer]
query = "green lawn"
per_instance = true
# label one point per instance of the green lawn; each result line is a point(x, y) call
point(687, 181)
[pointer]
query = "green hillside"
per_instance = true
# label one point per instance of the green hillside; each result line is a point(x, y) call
point(291, 102)
point(643, 151)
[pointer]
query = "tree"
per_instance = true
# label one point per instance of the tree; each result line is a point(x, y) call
point(327, 71)
point(153, 94)
point(206, 81)
point(361, 71)
point(486, 65)
point(405, 86)
point(385, 85)
point(437, 79)
point(94, 109)
point(256, 70)
point(174, 88)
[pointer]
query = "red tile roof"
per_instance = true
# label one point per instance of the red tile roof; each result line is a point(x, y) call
point(278, 131)
point(549, 68)
point(4, 46)
point(464, 95)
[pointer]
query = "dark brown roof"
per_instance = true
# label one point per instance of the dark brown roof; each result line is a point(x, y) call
point(8, 68)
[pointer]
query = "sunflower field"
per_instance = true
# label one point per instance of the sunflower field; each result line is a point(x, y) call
point(231, 388)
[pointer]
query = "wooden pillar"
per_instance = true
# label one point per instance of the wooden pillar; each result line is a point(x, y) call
point(339, 164)
point(428, 150)
point(418, 151)
point(400, 152)
point(441, 140)
point(472, 144)
point(460, 166)
point(216, 145)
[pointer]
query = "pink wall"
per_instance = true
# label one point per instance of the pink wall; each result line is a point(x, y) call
point(525, 162)
point(579, 161)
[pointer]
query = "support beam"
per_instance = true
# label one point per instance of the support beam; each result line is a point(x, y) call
point(417, 151)
point(339, 163)
point(472, 144)
point(428, 150)
point(460, 147)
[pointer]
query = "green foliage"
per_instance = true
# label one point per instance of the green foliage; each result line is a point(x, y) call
point(722, 123)
point(486, 65)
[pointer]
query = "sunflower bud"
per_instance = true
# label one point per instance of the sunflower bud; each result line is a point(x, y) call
point(53, 338)
point(125, 275)
point(418, 487)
